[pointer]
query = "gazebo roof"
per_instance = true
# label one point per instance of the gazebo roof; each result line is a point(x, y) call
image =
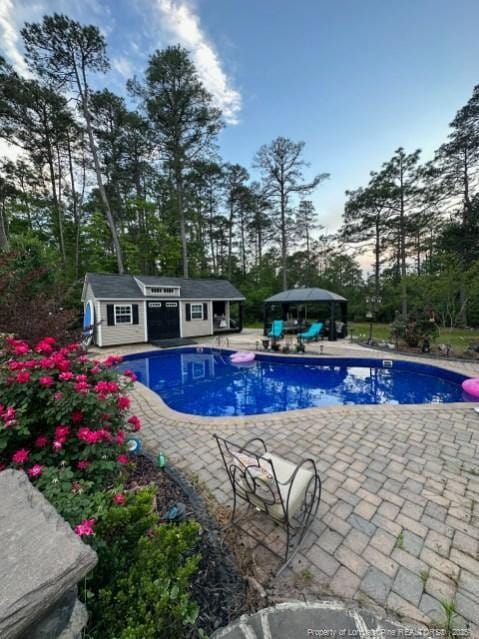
point(305, 295)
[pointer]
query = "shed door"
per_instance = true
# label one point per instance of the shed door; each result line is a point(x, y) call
point(163, 320)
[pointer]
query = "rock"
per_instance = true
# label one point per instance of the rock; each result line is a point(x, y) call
point(40, 556)
point(65, 620)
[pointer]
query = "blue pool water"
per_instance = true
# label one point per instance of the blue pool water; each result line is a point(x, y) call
point(202, 381)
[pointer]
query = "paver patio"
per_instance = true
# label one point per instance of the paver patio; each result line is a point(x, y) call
point(399, 516)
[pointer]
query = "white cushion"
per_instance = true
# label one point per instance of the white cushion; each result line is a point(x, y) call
point(284, 470)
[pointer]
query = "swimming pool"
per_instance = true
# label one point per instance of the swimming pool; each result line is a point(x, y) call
point(202, 381)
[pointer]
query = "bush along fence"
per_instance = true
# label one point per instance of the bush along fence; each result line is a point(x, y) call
point(64, 421)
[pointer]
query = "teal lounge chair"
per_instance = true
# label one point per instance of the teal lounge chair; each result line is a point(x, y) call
point(312, 333)
point(277, 329)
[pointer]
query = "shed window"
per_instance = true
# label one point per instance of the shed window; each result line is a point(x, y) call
point(197, 311)
point(123, 314)
point(161, 290)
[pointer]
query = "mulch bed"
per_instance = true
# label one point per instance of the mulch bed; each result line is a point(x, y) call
point(218, 588)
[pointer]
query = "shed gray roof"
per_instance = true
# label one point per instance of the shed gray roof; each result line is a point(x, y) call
point(305, 295)
point(111, 286)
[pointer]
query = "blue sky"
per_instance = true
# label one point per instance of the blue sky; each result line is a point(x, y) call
point(354, 79)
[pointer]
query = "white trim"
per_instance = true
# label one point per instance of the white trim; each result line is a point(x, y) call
point(197, 319)
point(145, 321)
point(100, 324)
point(210, 311)
point(180, 304)
point(168, 299)
point(140, 284)
point(83, 290)
point(130, 306)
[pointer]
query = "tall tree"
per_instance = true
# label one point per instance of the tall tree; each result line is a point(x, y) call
point(64, 52)
point(402, 178)
point(281, 165)
point(183, 119)
point(365, 220)
point(306, 224)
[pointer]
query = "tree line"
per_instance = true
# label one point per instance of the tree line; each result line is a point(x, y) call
point(136, 184)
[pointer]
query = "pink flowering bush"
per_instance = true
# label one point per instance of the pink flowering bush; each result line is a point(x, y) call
point(61, 409)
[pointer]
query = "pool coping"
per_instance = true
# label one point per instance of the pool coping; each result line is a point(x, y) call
point(240, 420)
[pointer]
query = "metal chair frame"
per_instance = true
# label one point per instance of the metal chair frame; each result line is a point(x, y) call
point(254, 492)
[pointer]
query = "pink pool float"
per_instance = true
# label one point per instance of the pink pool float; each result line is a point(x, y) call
point(242, 357)
point(471, 386)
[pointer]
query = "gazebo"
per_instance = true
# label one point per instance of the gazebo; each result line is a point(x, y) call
point(295, 306)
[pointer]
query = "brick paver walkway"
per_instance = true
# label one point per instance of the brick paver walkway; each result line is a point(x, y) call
point(399, 517)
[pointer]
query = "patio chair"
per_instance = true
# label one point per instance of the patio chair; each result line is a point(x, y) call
point(313, 332)
point(277, 329)
point(286, 492)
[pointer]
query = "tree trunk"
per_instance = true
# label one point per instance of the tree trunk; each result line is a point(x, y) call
point(402, 247)
point(4, 241)
point(284, 244)
point(83, 90)
point(377, 255)
point(230, 239)
point(181, 214)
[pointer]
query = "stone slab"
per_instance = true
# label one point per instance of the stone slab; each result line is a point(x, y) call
point(41, 558)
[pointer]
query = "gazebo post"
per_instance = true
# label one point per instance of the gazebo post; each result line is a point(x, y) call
point(265, 318)
point(332, 323)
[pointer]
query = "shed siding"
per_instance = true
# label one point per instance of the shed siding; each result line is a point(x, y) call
point(122, 333)
point(196, 328)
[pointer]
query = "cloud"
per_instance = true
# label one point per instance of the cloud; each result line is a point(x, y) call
point(10, 38)
point(181, 22)
point(122, 66)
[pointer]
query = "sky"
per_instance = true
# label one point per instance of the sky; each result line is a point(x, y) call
point(353, 79)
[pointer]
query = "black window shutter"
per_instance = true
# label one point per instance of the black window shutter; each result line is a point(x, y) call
point(205, 311)
point(110, 316)
point(188, 312)
point(135, 313)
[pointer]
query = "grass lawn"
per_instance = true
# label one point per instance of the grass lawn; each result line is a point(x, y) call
point(459, 338)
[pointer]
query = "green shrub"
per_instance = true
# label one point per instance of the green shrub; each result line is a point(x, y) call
point(139, 589)
point(414, 329)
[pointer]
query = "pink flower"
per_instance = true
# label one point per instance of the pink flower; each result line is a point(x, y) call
point(135, 422)
point(41, 441)
point(57, 445)
point(83, 464)
point(122, 459)
point(129, 373)
point(66, 376)
point(57, 396)
point(21, 456)
point(46, 380)
point(81, 378)
point(35, 471)
point(49, 340)
point(95, 370)
point(44, 347)
point(77, 416)
point(30, 363)
point(112, 360)
point(61, 432)
point(85, 528)
point(23, 377)
point(123, 402)
point(21, 348)
point(120, 437)
point(62, 364)
point(81, 388)
point(83, 358)
point(9, 415)
point(119, 499)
